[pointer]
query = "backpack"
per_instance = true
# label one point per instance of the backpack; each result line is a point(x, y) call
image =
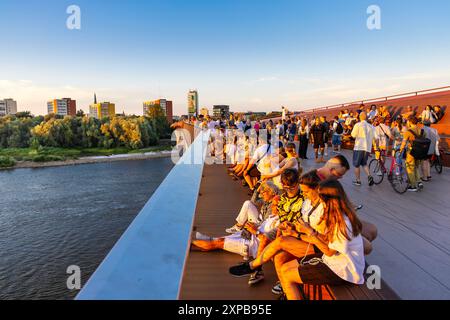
point(339, 128)
point(420, 146)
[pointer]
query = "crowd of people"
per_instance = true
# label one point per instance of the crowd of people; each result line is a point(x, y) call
point(306, 223)
point(368, 130)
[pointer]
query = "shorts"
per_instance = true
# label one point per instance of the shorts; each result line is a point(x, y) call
point(336, 140)
point(318, 144)
point(319, 274)
point(360, 158)
point(236, 244)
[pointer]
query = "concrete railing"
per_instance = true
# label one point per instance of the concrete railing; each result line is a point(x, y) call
point(148, 260)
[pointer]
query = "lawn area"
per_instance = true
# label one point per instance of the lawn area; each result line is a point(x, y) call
point(58, 154)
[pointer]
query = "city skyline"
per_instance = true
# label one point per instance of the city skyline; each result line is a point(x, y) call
point(252, 55)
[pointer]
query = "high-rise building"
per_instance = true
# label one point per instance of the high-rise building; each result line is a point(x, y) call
point(8, 106)
point(102, 109)
point(166, 106)
point(63, 107)
point(193, 103)
point(221, 111)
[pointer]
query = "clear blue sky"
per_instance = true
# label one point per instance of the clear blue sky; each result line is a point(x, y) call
point(252, 54)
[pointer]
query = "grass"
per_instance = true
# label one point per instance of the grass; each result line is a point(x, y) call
point(59, 154)
point(7, 162)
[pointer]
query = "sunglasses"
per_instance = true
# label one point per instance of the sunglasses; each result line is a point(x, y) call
point(289, 188)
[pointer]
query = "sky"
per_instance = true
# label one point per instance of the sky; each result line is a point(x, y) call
point(250, 54)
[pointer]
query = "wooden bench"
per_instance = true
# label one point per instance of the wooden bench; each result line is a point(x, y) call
point(348, 292)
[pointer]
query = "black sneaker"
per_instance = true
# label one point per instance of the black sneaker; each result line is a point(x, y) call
point(356, 183)
point(420, 185)
point(241, 270)
point(412, 189)
point(371, 182)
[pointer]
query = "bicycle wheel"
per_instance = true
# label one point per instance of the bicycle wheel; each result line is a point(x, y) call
point(376, 170)
point(438, 165)
point(399, 181)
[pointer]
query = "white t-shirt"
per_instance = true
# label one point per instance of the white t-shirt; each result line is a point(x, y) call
point(348, 262)
point(314, 216)
point(363, 132)
point(211, 125)
point(230, 150)
point(263, 156)
point(270, 225)
point(380, 133)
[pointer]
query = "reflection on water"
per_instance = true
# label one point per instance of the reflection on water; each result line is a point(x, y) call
point(55, 217)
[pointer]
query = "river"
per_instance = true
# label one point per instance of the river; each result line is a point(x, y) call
point(52, 218)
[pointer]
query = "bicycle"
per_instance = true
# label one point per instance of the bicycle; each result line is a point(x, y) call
point(396, 175)
point(436, 162)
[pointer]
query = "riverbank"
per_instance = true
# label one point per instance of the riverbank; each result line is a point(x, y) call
point(91, 159)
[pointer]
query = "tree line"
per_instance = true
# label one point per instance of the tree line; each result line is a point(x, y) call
point(24, 130)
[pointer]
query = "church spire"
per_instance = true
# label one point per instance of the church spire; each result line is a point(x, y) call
point(95, 98)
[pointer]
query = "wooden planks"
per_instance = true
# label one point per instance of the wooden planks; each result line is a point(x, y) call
point(206, 275)
point(411, 248)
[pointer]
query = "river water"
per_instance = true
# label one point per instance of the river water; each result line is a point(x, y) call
point(52, 218)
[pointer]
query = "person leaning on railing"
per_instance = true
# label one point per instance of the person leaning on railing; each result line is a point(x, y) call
point(439, 113)
point(428, 115)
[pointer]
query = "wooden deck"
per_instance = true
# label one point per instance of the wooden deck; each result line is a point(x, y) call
point(412, 249)
point(206, 275)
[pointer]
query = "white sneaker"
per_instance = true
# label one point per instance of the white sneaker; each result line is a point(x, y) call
point(277, 289)
point(234, 229)
point(200, 236)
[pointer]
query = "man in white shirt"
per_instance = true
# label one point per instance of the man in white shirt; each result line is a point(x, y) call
point(260, 164)
point(284, 112)
point(364, 134)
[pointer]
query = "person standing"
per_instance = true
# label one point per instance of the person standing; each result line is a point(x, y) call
point(412, 164)
point(383, 135)
point(364, 134)
point(326, 135)
point(284, 112)
point(373, 112)
point(317, 133)
point(338, 130)
point(433, 135)
point(292, 129)
point(303, 132)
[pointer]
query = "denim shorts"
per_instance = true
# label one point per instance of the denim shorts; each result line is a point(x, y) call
point(336, 141)
point(360, 158)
